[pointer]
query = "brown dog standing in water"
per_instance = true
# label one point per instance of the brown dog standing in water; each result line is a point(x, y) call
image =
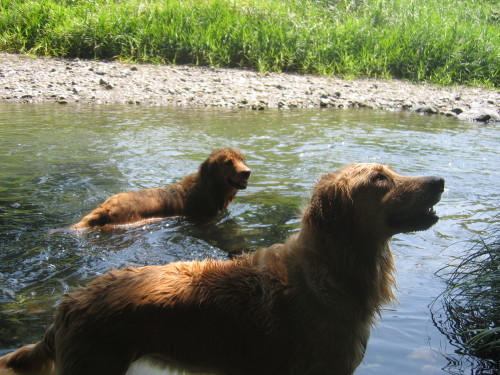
point(199, 196)
point(302, 307)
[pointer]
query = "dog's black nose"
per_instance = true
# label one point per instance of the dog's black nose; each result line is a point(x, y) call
point(246, 174)
point(437, 183)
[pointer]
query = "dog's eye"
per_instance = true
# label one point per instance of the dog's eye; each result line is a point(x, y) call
point(379, 177)
point(229, 163)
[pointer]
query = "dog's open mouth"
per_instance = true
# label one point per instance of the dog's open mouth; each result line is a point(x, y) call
point(240, 185)
point(413, 221)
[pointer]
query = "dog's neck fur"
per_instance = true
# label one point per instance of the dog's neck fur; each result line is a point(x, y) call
point(361, 264)
point(228, 192)
point(325, 260)
point(221, 193)
point(211, 190)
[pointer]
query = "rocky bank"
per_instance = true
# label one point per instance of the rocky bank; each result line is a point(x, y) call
point(30, 79)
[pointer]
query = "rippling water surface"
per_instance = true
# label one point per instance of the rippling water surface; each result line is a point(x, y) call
point(58, 162)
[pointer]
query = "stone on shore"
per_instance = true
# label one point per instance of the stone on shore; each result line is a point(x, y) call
point(28, 79)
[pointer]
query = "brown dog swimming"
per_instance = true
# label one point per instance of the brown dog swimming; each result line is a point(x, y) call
point(300, 308)
point(199, 197)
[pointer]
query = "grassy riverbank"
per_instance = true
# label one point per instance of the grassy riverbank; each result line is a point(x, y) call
point(439, 41)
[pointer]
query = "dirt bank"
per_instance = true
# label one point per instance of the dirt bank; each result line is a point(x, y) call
point(35, 80)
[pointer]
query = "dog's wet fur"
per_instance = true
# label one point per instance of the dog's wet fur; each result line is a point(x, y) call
point(302, 307)
point(199, 197)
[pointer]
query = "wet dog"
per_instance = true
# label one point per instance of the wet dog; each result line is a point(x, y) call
point(302, 307)
point(198, 197)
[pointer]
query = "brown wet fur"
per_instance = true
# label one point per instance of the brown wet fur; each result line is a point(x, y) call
point(200, 196)
point(302, 307)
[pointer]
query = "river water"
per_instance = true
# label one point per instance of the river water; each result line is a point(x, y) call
point(58, 162)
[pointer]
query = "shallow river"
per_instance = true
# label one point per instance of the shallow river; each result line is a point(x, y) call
point(58, 162)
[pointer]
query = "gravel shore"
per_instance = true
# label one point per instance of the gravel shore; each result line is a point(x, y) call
point(27, 79)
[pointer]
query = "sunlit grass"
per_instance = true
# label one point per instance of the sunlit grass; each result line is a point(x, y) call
point(440, 41)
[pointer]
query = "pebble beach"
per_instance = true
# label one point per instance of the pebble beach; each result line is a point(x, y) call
point(29, 79)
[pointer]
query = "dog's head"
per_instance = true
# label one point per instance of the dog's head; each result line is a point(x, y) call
point(226, 166)
point(372, 198)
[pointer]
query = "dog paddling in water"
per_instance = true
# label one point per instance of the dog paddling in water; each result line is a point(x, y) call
point(199, 197)
point(304, 307)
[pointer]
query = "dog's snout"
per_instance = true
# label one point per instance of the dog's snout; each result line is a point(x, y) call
point(437, 183)
point(245, 174)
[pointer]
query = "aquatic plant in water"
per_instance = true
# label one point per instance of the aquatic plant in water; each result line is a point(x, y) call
point(468, 311)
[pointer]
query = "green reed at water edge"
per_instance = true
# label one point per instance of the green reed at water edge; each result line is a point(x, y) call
point(468, 311)
point(439, 41)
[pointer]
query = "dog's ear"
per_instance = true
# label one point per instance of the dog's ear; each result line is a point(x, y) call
point(210, 169)
point(331, 203)
point(206, 169)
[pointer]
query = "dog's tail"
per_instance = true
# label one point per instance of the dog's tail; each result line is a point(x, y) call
point(35, 359)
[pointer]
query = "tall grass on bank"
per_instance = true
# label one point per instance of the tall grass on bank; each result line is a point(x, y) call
point(440, 41)
point(468, 312)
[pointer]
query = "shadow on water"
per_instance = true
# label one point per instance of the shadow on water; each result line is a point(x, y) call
point(57, 163)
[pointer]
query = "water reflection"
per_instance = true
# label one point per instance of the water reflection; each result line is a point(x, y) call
point(58, 162)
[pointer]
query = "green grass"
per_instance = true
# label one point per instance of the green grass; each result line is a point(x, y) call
point(468, 311)
point(439, 41)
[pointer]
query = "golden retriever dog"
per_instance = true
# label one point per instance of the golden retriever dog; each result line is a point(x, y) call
point(199, 197)
point(302, 307)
